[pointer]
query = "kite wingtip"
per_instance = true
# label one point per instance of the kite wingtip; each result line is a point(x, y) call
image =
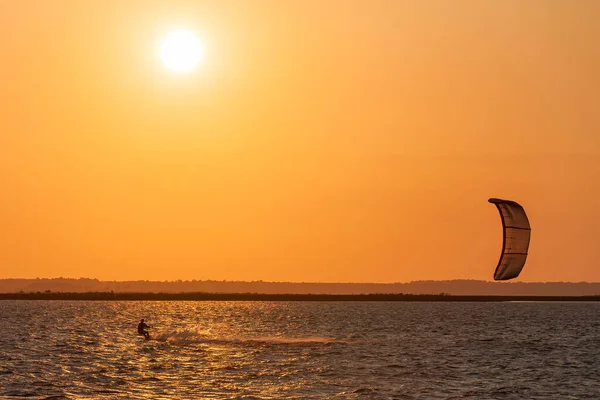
point(495, 200)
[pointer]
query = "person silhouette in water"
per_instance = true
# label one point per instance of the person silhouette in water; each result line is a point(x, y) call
point(142, 329)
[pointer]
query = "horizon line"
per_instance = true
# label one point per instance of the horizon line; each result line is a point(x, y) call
point(303, 282)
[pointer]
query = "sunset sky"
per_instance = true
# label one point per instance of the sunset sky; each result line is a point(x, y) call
point(337, 141)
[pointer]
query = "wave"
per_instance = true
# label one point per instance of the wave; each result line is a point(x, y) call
point(192, 336)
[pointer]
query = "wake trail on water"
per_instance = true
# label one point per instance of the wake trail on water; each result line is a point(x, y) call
point(194, 336)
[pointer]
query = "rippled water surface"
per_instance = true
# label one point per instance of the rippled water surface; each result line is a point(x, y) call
point(301, 350)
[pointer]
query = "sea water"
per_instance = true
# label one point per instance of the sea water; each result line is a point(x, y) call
point(299, 350)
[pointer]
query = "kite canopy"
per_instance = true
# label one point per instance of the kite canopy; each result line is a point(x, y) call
point(517, 233)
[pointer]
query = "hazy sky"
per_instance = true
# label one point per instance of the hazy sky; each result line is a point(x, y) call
point(319, 140)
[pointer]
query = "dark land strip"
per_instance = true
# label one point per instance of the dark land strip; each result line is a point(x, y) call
point(130, 296)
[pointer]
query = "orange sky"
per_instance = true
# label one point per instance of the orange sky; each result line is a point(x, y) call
point(320, 140)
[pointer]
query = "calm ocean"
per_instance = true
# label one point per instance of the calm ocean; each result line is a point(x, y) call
point(299, 350)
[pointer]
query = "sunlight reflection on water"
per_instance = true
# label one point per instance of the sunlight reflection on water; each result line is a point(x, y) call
point(304, 350)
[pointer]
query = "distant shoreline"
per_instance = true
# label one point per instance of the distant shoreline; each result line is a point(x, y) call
point(108, 296)
point(457, 287)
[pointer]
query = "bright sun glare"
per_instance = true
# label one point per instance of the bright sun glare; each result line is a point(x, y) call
point(181, 51)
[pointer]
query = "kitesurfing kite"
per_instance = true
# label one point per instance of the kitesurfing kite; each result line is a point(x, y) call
point(517, 232)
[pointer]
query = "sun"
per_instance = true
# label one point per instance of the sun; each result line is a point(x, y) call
point(181, 51)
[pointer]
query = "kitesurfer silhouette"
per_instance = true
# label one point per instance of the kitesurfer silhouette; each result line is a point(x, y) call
point(141, 329)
